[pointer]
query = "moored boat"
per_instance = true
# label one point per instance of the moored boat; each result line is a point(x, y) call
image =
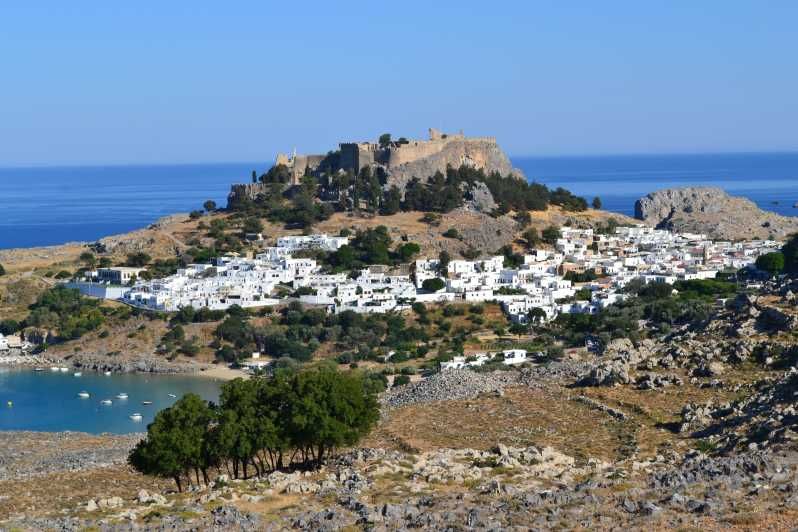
point(146, 403)
point(121, 395)
point(106, 402)
point(136, 416)
point(84, 395)
point(78, 374)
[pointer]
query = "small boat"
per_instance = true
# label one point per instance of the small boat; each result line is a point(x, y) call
point(54, 368)
point(106, 402)
point(10, 404)
point(146, 403)
point(107, 373)
point(78, 374)
point(83, 395)
point(136, 416)
point(172, 395)
point(63, 369)
point(121, 396)
point(38, 369)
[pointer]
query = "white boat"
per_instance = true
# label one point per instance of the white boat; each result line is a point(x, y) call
point(106, 402)
point(121, 396)
point(172, 395)
point(83, 395)
point(38, 369)
point(63, 369)
point(136, 416)
point(107, 373)
point(54, 368)
point(78, 374)
point(146, 403)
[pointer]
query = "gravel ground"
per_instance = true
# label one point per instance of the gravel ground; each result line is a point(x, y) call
point(450, 385)
point(31, 454)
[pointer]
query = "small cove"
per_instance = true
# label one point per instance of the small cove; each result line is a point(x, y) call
point(49, 401)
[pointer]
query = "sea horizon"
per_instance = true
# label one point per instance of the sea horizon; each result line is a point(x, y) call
point(54, 204)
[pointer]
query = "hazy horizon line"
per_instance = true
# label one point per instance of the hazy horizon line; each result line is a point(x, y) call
point(30, 166)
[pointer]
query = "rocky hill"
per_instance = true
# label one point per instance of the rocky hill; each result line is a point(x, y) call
point(711, 211)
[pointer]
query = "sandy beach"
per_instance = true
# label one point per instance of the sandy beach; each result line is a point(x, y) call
point(223, 373)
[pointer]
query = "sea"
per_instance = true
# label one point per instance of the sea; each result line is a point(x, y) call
point(51, 205)
point(49, 401)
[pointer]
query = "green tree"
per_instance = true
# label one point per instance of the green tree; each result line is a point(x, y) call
point(252, 225)
point(88, 258)
point(176, 441)
point(2, 270)
point(596, 203)
point(209, 205)
point(8, 326)
point(451, 233)
point(433, 285)
point(407, 251)
point(551, 234)
point(773, 263)
point(532, 237)
point(392, 201)
point(443, 262)
point(330, 410)
point(138, 260)
point(536, 315)
point(384, 140)
point(790, 252)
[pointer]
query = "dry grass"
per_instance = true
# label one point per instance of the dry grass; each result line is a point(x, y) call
point(522, 417)
point(52, 494)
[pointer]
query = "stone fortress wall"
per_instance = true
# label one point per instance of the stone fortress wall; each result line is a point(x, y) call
point(403, 161)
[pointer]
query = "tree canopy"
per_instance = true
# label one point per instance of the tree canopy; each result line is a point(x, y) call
point(286, 421)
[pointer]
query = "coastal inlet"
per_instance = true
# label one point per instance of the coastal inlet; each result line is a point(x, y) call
point(92, 402)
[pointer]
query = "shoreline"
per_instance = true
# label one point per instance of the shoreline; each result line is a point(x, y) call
point(209, 371)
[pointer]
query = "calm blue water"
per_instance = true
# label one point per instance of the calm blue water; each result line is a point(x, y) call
point(620, 180)
point(53, 205)
point(43, 206)
point(47, 401)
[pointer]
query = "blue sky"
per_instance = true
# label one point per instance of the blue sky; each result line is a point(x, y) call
point(151, 82)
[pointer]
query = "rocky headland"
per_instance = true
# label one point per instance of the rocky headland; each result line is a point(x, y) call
point(711, 211)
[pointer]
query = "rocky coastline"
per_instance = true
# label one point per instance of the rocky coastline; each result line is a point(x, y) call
point(711, 211)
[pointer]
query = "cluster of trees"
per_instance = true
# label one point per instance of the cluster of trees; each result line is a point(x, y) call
point(366, 190)
point(655, 302)
point(292, 420)
point(293, 206)
point(66, 312)
point(296, 333)
point(783, 261)
point(371, 246)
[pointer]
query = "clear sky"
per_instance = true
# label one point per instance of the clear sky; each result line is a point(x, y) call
point(195, 81)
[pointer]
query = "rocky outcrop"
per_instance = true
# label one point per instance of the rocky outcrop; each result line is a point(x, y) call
point(479, 153)
point(711, 211)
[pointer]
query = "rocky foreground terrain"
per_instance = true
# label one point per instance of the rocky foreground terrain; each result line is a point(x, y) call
point(693, 429)
point(711, 211)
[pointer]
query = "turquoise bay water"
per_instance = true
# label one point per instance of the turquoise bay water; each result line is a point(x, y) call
point(48, 401)
point(52, 205)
